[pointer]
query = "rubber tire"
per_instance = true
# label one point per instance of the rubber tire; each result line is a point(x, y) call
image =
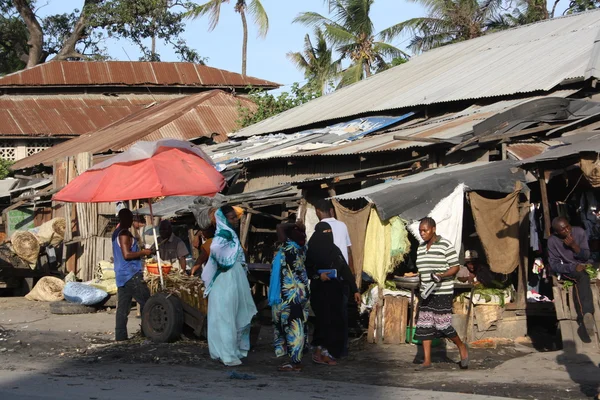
point(109, 301)
point(162, 318)
point(66, 308)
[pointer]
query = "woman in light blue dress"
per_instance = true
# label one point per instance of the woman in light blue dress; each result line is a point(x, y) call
point(230, 303)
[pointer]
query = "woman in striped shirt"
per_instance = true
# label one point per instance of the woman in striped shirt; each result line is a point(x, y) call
point(436, 256)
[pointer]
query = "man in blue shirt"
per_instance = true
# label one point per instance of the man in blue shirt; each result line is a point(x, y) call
point(568, 254)
point(127, 258)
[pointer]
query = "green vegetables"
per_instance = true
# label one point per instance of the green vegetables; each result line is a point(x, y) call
point(487, 294)
point(589, 268)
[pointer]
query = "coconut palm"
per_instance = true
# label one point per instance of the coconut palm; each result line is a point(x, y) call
point(213, 9)
point(447, 21)
point(316, 61)
point(352, 32)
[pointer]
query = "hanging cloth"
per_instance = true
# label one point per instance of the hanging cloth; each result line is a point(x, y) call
point(448, 216)
point(534, 238)
point(377, 262)
point(356, 222)
point(590, 166)
point(497, 224)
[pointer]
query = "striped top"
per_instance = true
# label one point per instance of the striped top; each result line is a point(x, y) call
point(438, 259)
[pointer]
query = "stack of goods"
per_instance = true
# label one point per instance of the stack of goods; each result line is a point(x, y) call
point(104, 277)
point(189, 289)
point(27, 244)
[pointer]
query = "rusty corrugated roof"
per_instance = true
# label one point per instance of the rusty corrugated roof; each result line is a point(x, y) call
point(130, 73)
point(183, 118)
point(67, 115)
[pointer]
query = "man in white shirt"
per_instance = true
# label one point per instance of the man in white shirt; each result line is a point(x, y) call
point(341, 238)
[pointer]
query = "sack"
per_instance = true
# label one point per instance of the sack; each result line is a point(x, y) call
point(107, 285)
point(48, 288)
point(80, 293)
point(104, 270)
point(26, 246)
point(51, 232)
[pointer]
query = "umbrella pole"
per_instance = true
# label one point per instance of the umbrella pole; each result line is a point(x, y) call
point(162, 282)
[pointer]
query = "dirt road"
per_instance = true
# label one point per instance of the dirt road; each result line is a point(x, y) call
point(45, 355)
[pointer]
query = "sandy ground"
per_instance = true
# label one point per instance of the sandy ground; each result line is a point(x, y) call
point(45, 355)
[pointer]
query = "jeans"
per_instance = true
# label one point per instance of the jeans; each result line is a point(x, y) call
point(582, 293)
point(135, 288)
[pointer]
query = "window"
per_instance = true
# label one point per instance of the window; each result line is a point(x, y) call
point(8, 151)
point(36, 147)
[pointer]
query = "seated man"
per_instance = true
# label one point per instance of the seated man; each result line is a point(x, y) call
point(568, 254)
point(172, 250)
point(476, 271)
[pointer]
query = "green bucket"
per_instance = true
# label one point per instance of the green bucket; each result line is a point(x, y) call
point(410, 338)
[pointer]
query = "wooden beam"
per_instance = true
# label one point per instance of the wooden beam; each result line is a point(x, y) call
point(264, 214)
point(545, 204)
point(463, 144)
point(245, 229)
point(574, 125)
point(419, 139)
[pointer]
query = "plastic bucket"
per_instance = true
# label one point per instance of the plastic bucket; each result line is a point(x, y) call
point(410, 338)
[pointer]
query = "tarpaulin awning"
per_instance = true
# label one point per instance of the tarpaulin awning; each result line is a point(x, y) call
point(415, 196)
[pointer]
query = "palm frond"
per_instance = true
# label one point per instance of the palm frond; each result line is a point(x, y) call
point(211, 8)
point(298, 60)
point(338, 35)
point(352, 74)
point(261, 19)
point(311, 19)
point(387, 50)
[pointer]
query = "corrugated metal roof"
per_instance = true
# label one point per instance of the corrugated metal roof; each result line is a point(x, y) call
point(183, 118)
point(68, 115)
point(130, 73)
point(326, 141)
point(572, 147)
point(529, 148)
point(536, 57)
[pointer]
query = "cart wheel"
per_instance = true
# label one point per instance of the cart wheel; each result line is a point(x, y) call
point(162, 318)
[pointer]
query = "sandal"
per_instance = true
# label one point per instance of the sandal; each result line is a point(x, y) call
point(289, 368)
point(328, 360)
point(318, 360)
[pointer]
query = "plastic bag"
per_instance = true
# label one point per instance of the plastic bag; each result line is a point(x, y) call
point(80, 293)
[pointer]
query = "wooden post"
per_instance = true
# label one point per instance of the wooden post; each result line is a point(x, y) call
point(545, 204)
point(302, 209)
point(379, 308)
point(245, 229)
point(523, 254)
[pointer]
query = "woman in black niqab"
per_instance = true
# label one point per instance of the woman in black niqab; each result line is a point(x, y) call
point(327, 294)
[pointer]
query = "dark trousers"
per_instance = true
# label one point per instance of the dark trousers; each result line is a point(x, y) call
point(135, 288)
point(582, 292)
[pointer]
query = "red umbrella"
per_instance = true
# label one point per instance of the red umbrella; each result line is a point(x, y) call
point(148, 169)
point(167, 167)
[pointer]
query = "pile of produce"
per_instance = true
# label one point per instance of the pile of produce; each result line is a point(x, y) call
point(589, 268)
point(189, 289)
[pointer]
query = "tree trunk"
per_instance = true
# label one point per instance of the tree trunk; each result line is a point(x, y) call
point(244, 41)
point(367, 69)
point(68, 49)
point(36, 35)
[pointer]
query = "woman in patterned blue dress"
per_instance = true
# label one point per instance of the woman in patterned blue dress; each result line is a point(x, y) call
point(288, 296)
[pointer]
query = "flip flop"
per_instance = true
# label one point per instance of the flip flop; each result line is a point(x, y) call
point(289, 368)
point(318, 360)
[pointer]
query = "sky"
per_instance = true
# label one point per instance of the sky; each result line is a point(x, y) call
point(266, 57)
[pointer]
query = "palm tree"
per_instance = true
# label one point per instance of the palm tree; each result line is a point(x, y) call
point(320, 69)
point(254, 7)
point(352, 32)
point(447, 21)
point(525, 12)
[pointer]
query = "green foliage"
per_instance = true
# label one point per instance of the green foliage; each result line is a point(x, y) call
point(13, 39)
point(137, 21)
point(352, 32)
point(141, 20)
point(317, 62)
point(5, 172)
point(591, 271)
point(269, 105)
point(576, 6)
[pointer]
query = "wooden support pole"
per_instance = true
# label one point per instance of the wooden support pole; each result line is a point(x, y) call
point(523, 255)
point(545, 204)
